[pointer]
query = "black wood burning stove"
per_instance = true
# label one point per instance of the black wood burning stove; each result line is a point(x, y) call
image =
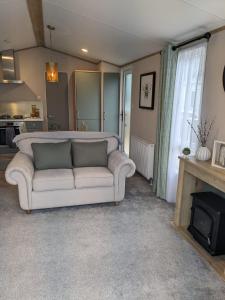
point(208, 221)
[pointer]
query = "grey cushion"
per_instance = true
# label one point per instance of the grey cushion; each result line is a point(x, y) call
point(90, 154)
point(52, 155)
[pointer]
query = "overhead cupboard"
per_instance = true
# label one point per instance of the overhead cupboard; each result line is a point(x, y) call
point(97, 101)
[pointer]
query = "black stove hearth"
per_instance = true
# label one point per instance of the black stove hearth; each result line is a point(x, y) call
point(208, 221)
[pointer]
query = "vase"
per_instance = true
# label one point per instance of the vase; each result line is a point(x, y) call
point(185, 156)
point(203, 153)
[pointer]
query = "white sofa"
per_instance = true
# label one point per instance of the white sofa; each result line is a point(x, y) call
point(66, 187)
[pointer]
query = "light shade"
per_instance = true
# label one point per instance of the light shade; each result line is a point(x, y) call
point(52, 72)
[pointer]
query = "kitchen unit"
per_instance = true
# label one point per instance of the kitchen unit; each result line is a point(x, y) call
point(11, 125)
point(9, 128)
point(22, 111)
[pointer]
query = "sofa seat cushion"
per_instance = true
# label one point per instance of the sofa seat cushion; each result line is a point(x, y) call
point(88, 177)
point(53, 179)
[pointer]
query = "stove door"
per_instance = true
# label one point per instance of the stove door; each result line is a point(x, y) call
point(203, 223)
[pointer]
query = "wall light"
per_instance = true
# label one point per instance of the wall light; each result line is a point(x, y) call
point(52, 74)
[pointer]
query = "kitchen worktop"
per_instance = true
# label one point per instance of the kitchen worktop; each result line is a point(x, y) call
point(23, 120)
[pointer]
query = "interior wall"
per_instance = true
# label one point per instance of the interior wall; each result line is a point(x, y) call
point(213, 106)
point(30, 67)
point(144, 121)
point(107, 67)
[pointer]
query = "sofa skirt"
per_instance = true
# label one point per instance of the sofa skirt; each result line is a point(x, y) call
point(61, 198)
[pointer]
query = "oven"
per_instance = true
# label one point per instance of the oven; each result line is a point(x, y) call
point(3, 131)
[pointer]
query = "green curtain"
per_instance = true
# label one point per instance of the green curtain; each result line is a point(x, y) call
point(165, 110)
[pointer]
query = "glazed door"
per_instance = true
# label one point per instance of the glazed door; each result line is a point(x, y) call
point(127, 89)
point(111, 102)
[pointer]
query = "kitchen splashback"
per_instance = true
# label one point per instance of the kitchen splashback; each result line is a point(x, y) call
point(20, 108)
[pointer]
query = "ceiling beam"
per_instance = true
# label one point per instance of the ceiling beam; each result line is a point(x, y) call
point(36, 17)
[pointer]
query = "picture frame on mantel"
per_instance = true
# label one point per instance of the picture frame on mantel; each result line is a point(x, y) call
point(147, 90)
point(218, 157)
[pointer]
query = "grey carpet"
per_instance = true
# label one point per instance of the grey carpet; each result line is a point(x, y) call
point(7, 150)
point(100, 252)
point(3, 164)
point(5, 160)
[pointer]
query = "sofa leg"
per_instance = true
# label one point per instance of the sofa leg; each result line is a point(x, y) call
point(117, 203)
point(28, 211)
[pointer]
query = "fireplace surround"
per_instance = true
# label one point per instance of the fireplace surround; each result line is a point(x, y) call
point(194, 177)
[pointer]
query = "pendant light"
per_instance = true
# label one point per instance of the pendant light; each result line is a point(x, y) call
point(51, 67)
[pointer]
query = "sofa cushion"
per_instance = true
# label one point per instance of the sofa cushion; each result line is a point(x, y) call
point(90, 154)
point(49, 180)
point(24, 140)
point(112, 142)
point(92, 177)
point(52, 155)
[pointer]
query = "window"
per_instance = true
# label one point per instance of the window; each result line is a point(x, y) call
point(186, 107)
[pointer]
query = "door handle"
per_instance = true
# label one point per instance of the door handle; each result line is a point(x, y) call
point(122, 116)
point(51, 116)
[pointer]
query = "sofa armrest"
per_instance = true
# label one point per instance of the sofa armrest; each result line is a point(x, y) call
point(121, 167)
point(20, 172)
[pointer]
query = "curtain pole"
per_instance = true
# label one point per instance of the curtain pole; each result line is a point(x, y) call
point(207, 36)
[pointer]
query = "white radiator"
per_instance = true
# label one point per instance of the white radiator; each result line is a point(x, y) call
point(142, 153)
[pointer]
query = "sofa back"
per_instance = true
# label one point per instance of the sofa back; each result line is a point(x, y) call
point(24, 140)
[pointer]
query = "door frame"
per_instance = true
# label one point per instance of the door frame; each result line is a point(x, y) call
point(127, 70)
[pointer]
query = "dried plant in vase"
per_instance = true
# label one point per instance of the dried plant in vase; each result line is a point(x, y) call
point(202, 133)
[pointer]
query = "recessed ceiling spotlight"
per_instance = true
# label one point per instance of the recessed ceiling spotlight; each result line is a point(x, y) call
point(84, 50)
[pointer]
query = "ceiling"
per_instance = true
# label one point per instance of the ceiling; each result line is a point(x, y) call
point(15, 26)
point(117, 31)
